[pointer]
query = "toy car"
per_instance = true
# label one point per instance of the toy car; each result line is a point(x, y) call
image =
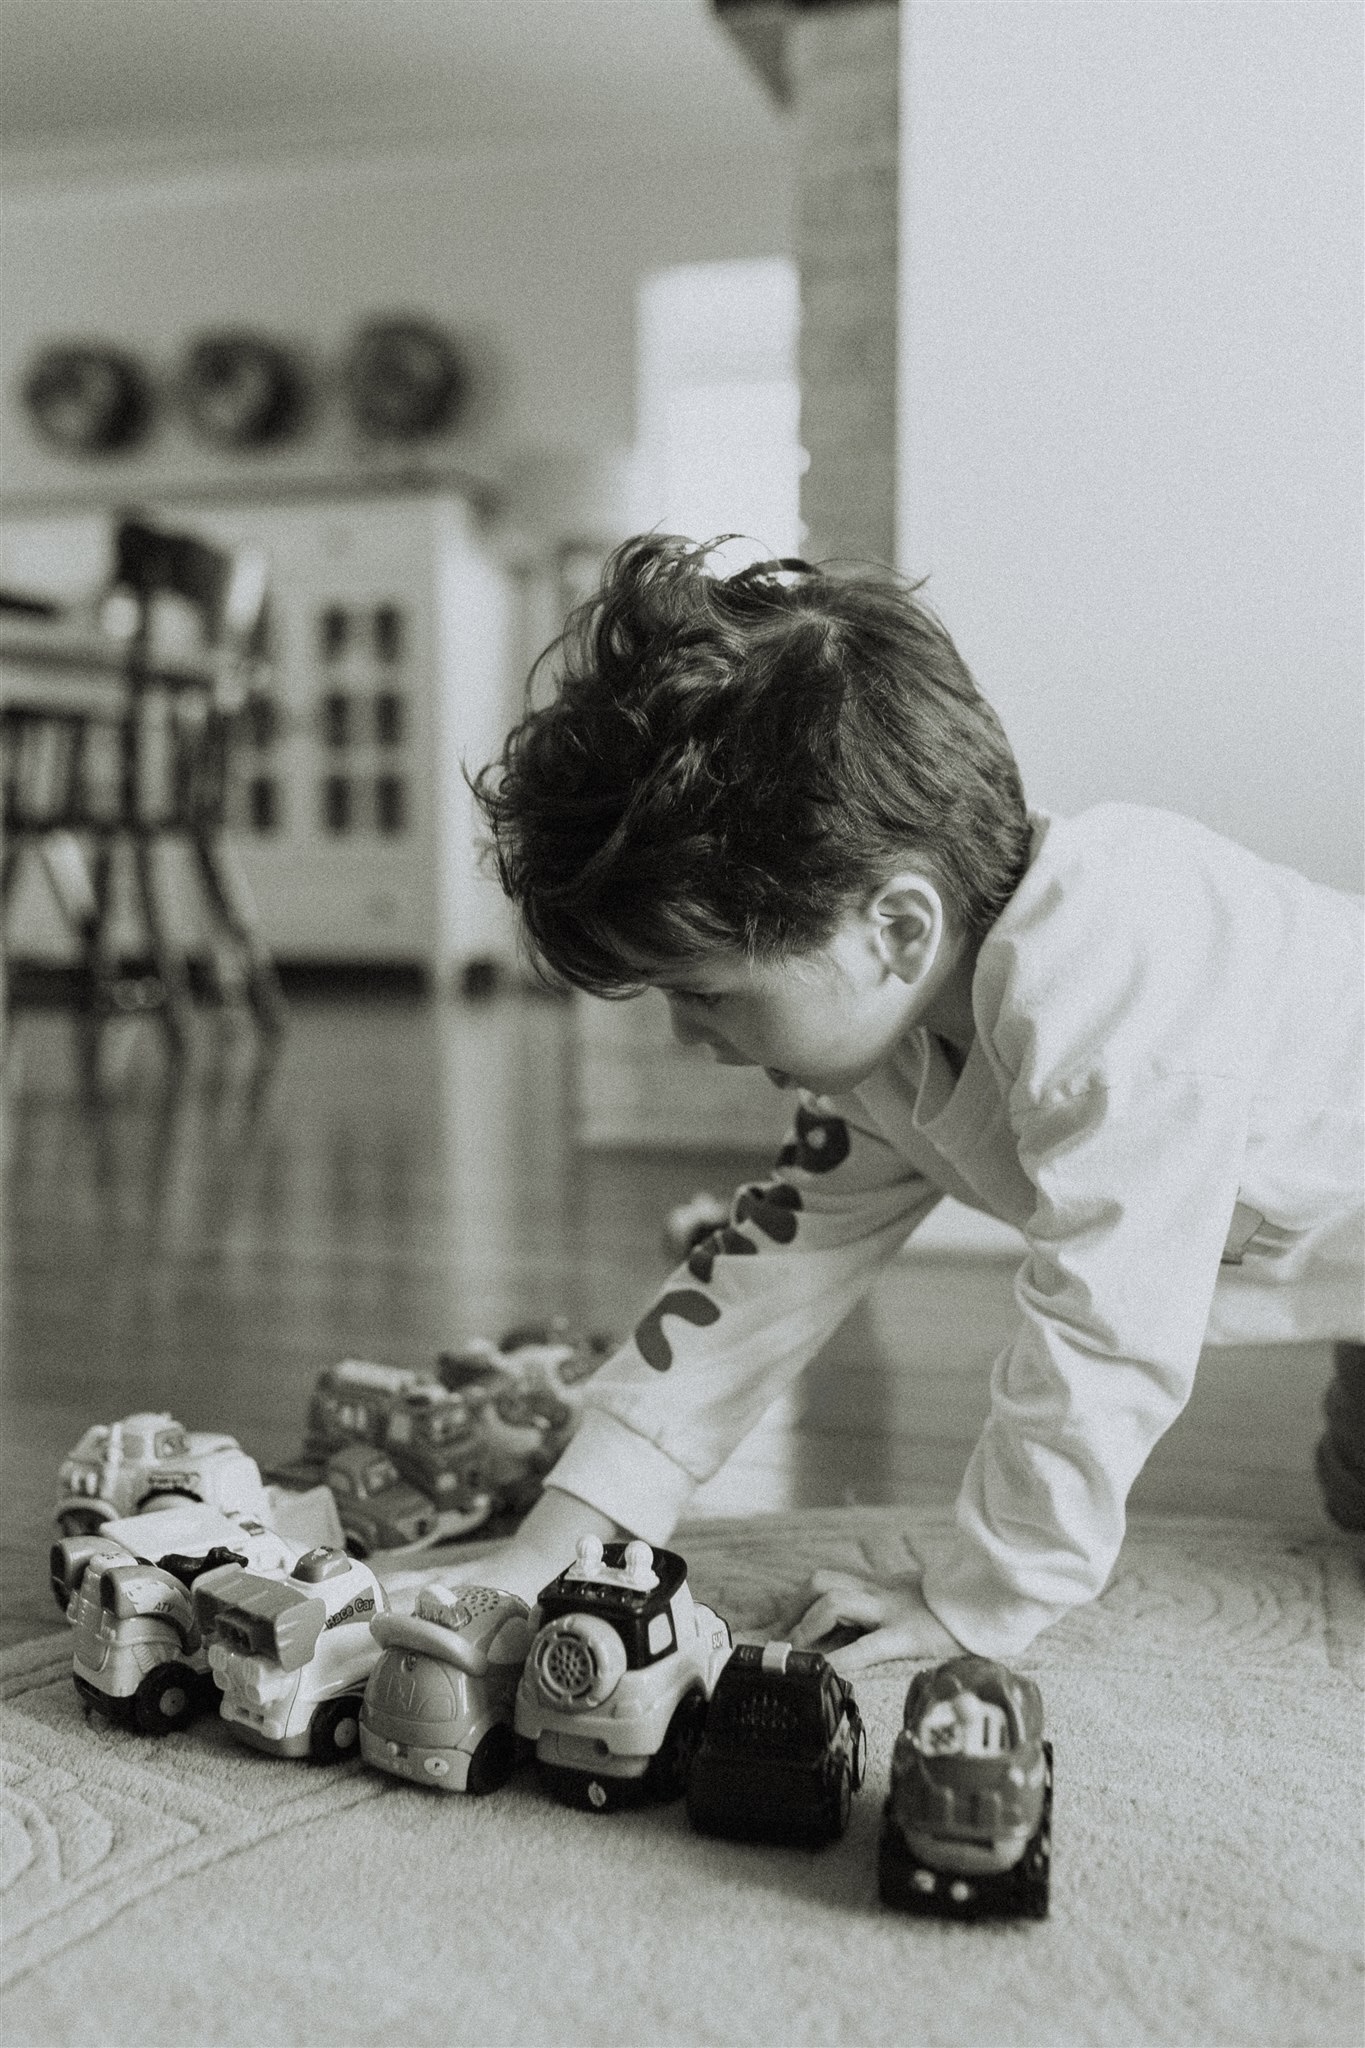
point(291, 1651)
point(615, 1687)
point(438, 1705)
point(967, 1825)
point(138, 1655)
point(525, 1395)
point(783, 1751)
point(148, 1461)
point(378, 1510)
point(352, 1402)
point(433, 1437)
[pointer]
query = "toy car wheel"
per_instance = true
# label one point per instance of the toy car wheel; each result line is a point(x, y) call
point(80, 1522)
point(166, 1700)
point(667, 1773)
point(335, 1731)
point(838, 1803)
point(860, 1758)
point(494, 1761)
point(1035, 1869)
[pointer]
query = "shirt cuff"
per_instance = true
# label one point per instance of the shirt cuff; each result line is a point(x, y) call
point(987, 1617)
point(623, 1475)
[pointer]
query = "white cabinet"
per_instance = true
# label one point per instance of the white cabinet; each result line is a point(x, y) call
point(388, 649)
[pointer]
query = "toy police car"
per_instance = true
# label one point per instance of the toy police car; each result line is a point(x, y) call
point(967, 1826)
point(783, 1752)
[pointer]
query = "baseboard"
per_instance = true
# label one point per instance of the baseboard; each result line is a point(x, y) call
point(59, 984)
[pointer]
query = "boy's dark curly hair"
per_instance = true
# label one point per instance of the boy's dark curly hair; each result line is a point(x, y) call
point(732, 762)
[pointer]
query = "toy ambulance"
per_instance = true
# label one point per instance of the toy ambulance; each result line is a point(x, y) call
point(291, 1651)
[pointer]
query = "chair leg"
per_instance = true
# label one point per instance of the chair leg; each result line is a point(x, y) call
point(171, 966)
point(229, 894)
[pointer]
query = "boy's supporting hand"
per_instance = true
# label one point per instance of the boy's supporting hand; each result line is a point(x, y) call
point(543, 1546)
point(896, 1620)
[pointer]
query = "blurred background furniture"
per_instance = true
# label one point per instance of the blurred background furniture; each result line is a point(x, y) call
point(119, 743)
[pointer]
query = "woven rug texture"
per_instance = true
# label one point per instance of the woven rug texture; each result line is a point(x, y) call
point(1206, 1717)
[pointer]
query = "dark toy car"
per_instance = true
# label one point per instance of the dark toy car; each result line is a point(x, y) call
point(783, 1751)
point(967, 1826)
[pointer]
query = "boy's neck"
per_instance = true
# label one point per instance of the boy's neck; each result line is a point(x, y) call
point(948, 1014)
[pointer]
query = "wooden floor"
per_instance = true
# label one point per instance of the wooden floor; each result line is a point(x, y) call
point(405, 1175)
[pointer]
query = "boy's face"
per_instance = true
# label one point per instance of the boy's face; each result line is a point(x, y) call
point(823, 1020)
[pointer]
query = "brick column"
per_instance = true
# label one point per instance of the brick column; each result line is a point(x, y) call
point(843, 70)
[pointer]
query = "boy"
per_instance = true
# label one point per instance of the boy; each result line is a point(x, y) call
point(779, 798)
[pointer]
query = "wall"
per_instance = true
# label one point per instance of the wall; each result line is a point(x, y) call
point(532, 256)
point(1130, 429)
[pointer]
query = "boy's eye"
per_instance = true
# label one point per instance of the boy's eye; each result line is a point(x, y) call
point(700, 999)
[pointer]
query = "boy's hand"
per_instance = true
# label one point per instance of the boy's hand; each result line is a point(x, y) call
point(544, 1545)
point(895, 1617)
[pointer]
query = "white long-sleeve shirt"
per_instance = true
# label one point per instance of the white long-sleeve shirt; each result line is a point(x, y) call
point(1164, 1094)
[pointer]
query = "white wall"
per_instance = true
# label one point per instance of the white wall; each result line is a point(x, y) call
point(1130, 421)
point(531, 255)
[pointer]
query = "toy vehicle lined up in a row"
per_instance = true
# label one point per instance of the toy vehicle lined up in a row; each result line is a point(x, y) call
point(624, 1687)
point(967, 1826)
point(784, 1749)
point(438, 1705)
point(615, 1686)
point(291, 1651)
point(139, 1654)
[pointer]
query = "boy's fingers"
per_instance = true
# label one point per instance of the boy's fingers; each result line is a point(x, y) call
point(861, 1606)
point(880, 1646)
point(817, 1621)
point(836, 1582)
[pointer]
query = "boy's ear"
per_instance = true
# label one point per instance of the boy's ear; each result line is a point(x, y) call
point(907, 919)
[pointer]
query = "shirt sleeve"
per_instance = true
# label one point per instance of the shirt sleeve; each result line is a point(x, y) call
point(735, 1323)
point(1135, 1186)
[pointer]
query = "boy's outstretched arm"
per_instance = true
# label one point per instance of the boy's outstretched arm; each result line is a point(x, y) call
point(724, 1337)
point(545, 1542)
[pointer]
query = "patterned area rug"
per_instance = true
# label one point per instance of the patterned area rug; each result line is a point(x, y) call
point(1206, 1720)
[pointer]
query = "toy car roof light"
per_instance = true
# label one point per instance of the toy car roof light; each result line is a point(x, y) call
point(634, 1574)
point(322, 1562)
